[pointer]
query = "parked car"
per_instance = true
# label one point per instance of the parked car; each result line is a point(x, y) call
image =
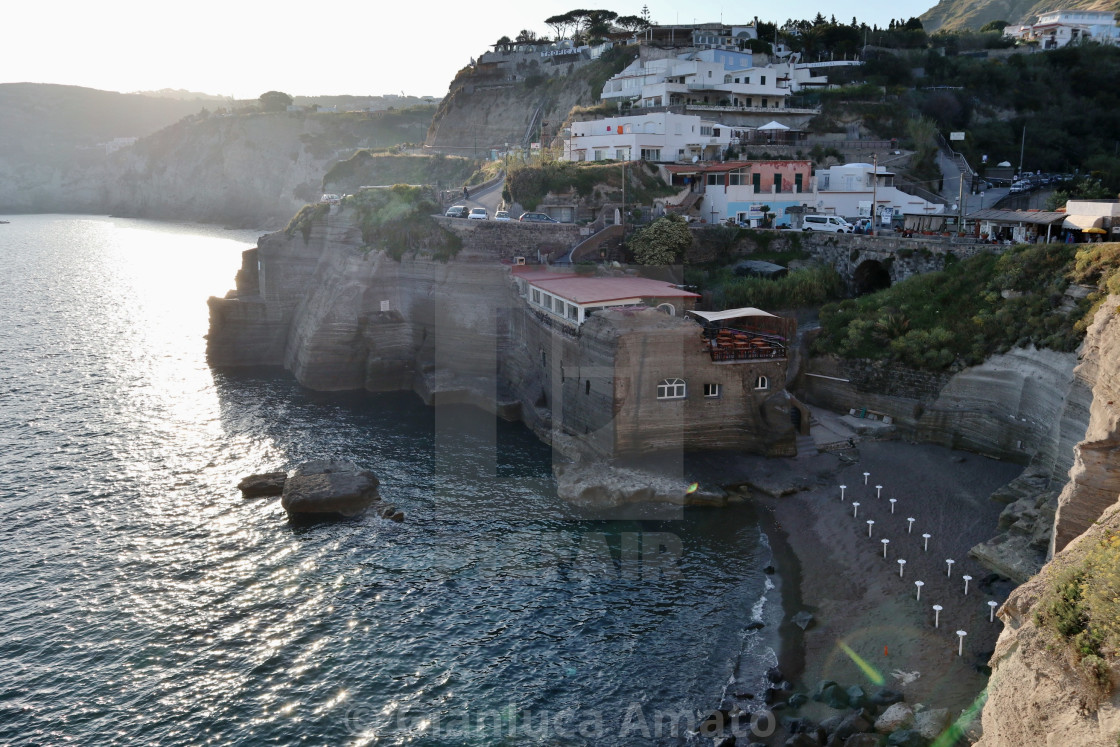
point(478, 213)
point(826, 223)
point(502, 215)
point(537, 218)
point(456, 211)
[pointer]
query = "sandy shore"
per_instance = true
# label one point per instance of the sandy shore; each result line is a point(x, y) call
point(831, 568)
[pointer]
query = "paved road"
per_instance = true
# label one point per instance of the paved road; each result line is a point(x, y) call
point(488, 198)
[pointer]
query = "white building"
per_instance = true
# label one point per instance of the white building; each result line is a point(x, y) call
point(657, 136)
point(709, 77)
point(1061, 27)
point(849, 189)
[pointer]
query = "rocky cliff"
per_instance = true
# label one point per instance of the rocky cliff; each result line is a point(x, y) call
point(251, 169)
point(1035, 695)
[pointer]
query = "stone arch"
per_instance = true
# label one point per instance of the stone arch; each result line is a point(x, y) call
point(870, 276)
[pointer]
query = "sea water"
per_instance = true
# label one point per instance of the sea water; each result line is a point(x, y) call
point(144, 601)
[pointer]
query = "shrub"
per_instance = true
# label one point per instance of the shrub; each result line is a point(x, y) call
point(1081, 608)
point(399, 219)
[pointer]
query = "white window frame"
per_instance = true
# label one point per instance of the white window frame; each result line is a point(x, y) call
point(761, 384)
point(672, 389)
point(712, 391)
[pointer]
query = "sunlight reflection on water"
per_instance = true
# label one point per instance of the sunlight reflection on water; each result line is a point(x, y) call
point(143, 601)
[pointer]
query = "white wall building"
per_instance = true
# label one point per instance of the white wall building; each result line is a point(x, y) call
point(710, 77)
point(848, 190)
point(1061, 27)
point(657, 136)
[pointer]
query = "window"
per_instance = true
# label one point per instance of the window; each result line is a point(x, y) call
point(573, 312)
point(737, 177)
point(763, 80)
point(705, 130)
point(715, 180)
point(651, 154)
point(797, 183)
point(777, 182)
point(761, 383)
point(536, 296)
point(622, 154)
point(587, 386)
point(756, 181)
point(749, 101)
point(671, 389)
point(711, 390)
point(599, 154)
point(548, 302)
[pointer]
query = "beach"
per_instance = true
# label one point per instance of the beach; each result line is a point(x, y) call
point(830, 567)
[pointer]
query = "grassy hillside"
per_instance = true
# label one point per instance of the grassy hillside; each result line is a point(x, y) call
point(977, 307)
point(972, 14)
point(371, 167)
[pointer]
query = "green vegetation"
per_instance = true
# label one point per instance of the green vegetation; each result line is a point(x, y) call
point(372, 167)
point(305, 218)
point(961, 315)
point(275, 101)
point(1081, 608)
point(663, 242)
point(399, 220)
point(529, 183)
point(811, 286)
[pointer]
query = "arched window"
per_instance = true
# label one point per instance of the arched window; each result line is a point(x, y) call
point(671, 389)
point(727, 79)
point(761, 383)
point(667, 308)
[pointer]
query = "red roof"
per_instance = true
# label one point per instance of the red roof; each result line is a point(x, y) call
point(533, 273)
point(583, 290)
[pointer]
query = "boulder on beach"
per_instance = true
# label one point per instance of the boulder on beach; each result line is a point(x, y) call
point(931, 722)
point(898, 716)
point(329, 487)
point(263, 484)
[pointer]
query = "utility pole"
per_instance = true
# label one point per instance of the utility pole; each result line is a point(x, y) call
point(960, 206)
point(874, 194)
point(622, 214)
point(1022, 147)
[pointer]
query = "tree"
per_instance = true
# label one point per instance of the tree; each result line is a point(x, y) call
point(599, 24)
point(502, 41)
point(560, 24)
point(631, 23)
point(275, 101)
point(526, 36)
point(662, 242)
point(997, 26)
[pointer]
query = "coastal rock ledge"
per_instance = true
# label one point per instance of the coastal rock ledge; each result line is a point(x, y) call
point(325, 487)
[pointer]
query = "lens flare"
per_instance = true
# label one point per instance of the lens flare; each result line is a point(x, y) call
point(870, 671)
point(692, 488)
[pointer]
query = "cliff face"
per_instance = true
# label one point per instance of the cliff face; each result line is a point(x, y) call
point(247, 169)
point(1034, 696)
point(1094, 480)
point(341, 318)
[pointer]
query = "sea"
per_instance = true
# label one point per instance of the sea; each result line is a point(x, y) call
point(143, 601)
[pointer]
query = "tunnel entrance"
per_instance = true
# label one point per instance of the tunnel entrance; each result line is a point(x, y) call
point(869, 277)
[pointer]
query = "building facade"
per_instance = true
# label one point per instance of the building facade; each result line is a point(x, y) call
point(1059, 28)
point(657, 136)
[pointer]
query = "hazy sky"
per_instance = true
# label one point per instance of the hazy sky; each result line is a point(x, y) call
point(241, 49)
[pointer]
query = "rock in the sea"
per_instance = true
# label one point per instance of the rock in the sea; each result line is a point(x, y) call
point(755, 625)
point(898, 716)
point(797, 700)
point(854, 723)
point(931, 722)
point(265, 483)
point(328, 487)
point(803, 740)
point(803, 619)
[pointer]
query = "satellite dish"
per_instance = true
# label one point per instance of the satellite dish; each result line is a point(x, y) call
point(695, 159)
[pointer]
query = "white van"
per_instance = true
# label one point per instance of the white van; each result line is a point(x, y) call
point(826, 223)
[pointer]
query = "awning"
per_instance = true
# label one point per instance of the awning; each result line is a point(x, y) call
point(773, 125)
point(716, 316)
point(1081, 222)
